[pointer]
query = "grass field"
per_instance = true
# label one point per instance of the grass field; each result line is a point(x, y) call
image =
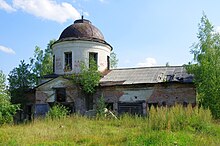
point(175, 126)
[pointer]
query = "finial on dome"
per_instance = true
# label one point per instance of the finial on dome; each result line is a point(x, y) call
point(82, 16)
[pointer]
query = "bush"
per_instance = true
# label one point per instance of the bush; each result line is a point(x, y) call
point(88, 78)
point(57, 112)
point(7, 110)
point(100, 107)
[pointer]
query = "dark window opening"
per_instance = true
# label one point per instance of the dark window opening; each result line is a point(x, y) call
point(70, 106)
point(108, 62)
point(164, 104)
point(29, 112)
point(61, 95)
point(185, 104)
point(109, 105)
point(93, 56)
point(155, 105)
point(68, 61)
point(53, 63)
point(89, 103)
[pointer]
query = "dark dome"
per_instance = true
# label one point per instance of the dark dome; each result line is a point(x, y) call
point(82, 29)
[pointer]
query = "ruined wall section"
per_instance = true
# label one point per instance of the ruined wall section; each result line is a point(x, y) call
point(160, 94)
point(173, 93)
point(46, 93)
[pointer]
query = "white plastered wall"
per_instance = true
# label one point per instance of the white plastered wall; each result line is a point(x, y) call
point(80, 52)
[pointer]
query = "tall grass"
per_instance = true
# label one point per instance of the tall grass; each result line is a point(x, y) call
point(179, 118)
point(164, 126)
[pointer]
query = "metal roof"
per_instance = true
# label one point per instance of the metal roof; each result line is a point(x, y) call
point(82, 28)
point(146, 75)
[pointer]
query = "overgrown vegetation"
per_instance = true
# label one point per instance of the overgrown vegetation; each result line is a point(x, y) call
point(57, 112)
point(42, 61)
point(206, 68)
point(179, 118)
point(100, 107)
point(165, 126)
point(21, 79)
point(7, 110)
point(26, 75)
point(88, 78)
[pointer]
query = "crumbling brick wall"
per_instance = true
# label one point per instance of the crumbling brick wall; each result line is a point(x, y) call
point(160, 94)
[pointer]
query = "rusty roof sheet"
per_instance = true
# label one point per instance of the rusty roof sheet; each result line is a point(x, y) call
point(82, 28)
point(146, 75)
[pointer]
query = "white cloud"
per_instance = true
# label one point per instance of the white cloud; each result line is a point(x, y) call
point(148, 62)
point(5, 6)
point(7, 50)
point(48, 9)
point(103, 1)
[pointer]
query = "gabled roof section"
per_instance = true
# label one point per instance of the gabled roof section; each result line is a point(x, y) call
point(58, 82)
point(46, 79)
point(146, 75)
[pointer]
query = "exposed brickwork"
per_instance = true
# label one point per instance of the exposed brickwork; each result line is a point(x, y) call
point(165, 93)
point(160, 94)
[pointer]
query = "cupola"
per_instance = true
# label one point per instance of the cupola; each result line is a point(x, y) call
point(80, 42)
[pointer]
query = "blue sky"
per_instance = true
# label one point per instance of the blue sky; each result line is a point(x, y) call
point(142, 32)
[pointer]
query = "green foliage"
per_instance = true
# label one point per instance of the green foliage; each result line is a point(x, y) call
point(25, 76)
point(89, 77)
point(20, 80)
point(7, 110)
point(100, 107)
point(206, 69)
point(21, 76)
point(57, 112)
point(42, 62)
point(113, 60)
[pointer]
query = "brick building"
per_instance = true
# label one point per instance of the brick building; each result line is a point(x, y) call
point(132, 90)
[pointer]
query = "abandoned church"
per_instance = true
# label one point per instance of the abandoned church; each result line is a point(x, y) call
point(132, 90)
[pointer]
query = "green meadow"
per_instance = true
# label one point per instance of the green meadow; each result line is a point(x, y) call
point(164, 126)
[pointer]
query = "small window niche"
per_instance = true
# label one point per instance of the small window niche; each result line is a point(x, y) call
point(93, 56)
point(53, 63)
point(68, 61)
point(108, 62)
point(60, 94)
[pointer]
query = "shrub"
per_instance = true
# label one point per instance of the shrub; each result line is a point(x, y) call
point(100, 107)
point(57, 112)
point(89, 77)
point(7, 110)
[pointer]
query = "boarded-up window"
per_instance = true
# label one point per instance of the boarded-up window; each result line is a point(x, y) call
point(131, 108)
point(68, 61)
point(61, 95)
point(41, 109)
